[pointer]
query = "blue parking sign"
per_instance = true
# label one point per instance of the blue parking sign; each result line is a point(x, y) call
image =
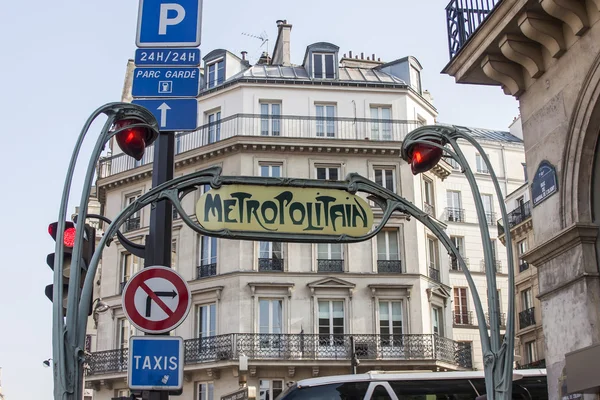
point(155, 363)
point(169, 23)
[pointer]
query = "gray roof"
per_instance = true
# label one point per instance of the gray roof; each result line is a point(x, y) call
point(346, 74)
point(489, 134)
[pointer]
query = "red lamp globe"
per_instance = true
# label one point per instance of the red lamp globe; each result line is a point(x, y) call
point(132, 141)
point(424, 157)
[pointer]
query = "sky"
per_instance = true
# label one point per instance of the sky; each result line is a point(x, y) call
point(63, 59)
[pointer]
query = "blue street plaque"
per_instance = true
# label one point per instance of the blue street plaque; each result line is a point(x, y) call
point(169, 23)
point(155, 363)
point(166, 82)
point(163, 57)
point(173, 114)
point(544, 183)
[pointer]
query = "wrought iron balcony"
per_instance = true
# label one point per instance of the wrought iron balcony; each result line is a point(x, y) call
point(516, 216)
point(490, 217)
point(455, 266)
point(463, 318)
point(132, 224)
point(270, 264)
point(429, 209)
point(527, 318)
point(454, 214)
point(533, 364)
point(297, 347)
point(389, 266)
point(523, 266)
point(326, 265)
point(501, 318)
point(285, 126)
point(206, 270)
point(496, 263)
point(434, 274)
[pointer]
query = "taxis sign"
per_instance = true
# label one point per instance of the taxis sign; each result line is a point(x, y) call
point(280, 209)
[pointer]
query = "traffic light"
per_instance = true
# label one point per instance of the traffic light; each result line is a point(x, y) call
point(87, 251)
point(133, 141)
point(423, 157)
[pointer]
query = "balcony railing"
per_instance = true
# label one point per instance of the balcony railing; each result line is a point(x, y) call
point(533, 364)
point(523, 266)
point(463, 318)
point(327, 265)
point(527, 318)
point(490, 217)
point(299, 347)
point(455, 266)
point(270, 264)
point(389, 266)
point(289, 126)
point(496, 263)
point(206, 270)
point(132, 224)
point(463, 17)
point(516, 216)
point(454, 214)
point(434, 273)
point(501, 319)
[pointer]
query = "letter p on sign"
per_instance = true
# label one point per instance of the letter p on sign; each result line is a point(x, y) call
point(165, 21)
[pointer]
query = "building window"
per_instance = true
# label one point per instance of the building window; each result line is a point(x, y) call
point(323, 66)
point(331, 323)
point(432, 258)
point(206, 391)
point(480, 164)
point(134, 222)
point(207, 320)
point(488, 207)
point(269, 389)
point(270, 119)
point(428, 197)
point(126, 269)
point(390, 323)
point(524, 171)
point(330, 257)
point(437, 322)
point(123, 333)
point(174, 253)
point(454, 212)
point(388, 252)
point(461, 308)
point(329, 173)
point(530, 352)
point(415, 79)
point(522, 249)
point(207, 258)
point(453, 163)
point(459, 243)
point(325, 120)
point(526, 299)
point(270, 322)
point(381, 124)
point(270, 257)
point(386, 177)
point(216, 73)
point(121, 393)
point(214, 127)
point(270, 170)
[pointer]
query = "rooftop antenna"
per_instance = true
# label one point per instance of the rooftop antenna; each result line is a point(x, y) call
point(263, 37)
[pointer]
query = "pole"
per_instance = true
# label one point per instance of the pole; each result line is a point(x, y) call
point(158, 241)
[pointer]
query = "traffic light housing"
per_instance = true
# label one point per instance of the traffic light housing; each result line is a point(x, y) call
point(423, 157)
point(133, 141)
point(87, 252)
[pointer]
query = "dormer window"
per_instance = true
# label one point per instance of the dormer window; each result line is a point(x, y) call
point(415, 78)
point(215, 73)
point(323, 66)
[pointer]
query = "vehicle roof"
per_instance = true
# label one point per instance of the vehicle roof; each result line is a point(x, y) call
point(399, 376)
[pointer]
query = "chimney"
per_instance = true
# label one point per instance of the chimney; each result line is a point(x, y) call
point(244, 54)
point(282, 52)
point(362, 56)
point(350, 54)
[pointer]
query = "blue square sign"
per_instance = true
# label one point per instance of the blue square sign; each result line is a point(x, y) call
point(173, 114)
point(155, 363)
point(169, 23)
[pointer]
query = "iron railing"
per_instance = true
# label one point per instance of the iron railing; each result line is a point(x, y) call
point(327, 265)
point(132, 224)
point(206, 270)
point(455, 266)
point(501, 319)
point(490, 217)
point(516, 216)
point(270, 264)
point(463, 318)
point(434, 274)
point(533, 364)
point(454, 214)
point(496, 263)
point(389, 266)
point(290, 126)
point(527, 318)
point(303, 346)
point(523, 266)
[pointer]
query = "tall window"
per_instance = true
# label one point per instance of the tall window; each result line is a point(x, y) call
point(270, 119)
point(522, 249)
point(461, 308)
point(526, 299)
point(270, 253)
point(459, 242)
point(331, 322)
point(437, 321)
point(488, 207)
point(480, 164)
point(126, 269)
point(325, 120)
point(387, 245)
point(415, 79)
point(208, 250)
point(269, 389)
point(216, 73)
point(207, 320)
point(428, 197)
point(323, 66)
point(329, 173)
point(530, 351)
point(270, 319)
point(390, 322)
point(174, 253)
point(206, 391)
point(123, 333)
point(381, 126)
point(330, 257)
point(133, 222)
point(454, 211)
point(214, 127)
point(386, 177)
point(432, 252)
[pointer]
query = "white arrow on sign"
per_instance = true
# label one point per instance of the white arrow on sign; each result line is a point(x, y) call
point(163, 114)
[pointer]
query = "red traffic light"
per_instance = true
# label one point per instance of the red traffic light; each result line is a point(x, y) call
point(424, 157)
point(68, 235)
point(133, 141)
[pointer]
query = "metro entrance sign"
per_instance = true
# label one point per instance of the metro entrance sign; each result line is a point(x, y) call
point(156, 299)
point(169, 23)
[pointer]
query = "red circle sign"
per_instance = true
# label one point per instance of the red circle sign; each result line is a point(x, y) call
point(156, 299)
